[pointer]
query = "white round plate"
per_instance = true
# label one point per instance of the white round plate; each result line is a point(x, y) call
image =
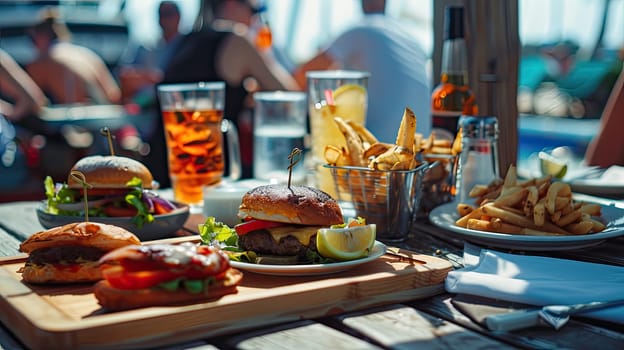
point(445, 216)
point(379, 249)
point(597, 187)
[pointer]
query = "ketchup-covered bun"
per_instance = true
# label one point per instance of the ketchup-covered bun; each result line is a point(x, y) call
point(301, 205)
point(110, 172)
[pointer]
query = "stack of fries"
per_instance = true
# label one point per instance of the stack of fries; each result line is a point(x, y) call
point(382, 180)
point(364, 150)
point(536, 206)
point(439, 182)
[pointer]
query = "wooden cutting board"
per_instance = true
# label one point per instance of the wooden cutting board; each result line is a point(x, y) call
point(68, 316)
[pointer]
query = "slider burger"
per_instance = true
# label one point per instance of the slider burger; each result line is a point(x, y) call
point(70, 253)
point(119, 188)
point(164, 274)
point(283, 221)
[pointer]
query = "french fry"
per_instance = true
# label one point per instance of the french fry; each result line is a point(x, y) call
point(569, 218)
point(597, 225)
point(580, 228)
point(511, 178)
point(377, 149)
point(464, 209)
point(354, 143)
point(478, 191)
point(512, 197)
point(534, 232)
point(366, 136)
point(530, 201)
point(475, 214)
point(440, 150)
point(591, 209)
point(539, 213)
point(335, 155)
point(401, 155)
point(555, 190)
point(456, 148)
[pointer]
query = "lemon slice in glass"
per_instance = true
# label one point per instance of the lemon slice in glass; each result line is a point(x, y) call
point(550, 165)
point(346, 243)
point(350, 95)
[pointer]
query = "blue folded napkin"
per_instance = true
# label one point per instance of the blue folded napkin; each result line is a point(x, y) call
point(539, 281)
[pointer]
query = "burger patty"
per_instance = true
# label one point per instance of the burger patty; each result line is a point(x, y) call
point(70, 254)
point(262, 242)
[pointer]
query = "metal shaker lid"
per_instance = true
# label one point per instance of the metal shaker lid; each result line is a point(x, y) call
point(478, 127)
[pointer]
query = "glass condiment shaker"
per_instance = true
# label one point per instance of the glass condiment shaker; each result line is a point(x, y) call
point(478, 161)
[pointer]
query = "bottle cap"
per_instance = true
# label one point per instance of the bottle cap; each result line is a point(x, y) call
point(454, 22)
point(478, 127)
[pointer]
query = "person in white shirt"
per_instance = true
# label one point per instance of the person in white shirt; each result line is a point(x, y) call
point(396, 62)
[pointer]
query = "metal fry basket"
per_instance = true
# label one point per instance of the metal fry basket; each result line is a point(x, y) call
point(388, 198)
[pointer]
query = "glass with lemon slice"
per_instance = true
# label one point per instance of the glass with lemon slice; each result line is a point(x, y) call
point(333, 93)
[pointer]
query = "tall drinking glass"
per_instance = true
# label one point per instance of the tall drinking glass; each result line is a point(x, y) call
point(194, 128)
point(333, 93)
point(279, 127)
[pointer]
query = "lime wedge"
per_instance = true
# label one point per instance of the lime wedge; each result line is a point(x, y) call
point(346, 243)
point(550, 165)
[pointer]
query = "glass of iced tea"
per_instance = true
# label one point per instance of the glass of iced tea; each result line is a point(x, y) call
point(194, 130)
point(333, 93)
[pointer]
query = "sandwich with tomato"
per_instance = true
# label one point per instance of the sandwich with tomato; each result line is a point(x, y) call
point(164, 274)
point(279, 225)
point(117, 187)
point(71, 253)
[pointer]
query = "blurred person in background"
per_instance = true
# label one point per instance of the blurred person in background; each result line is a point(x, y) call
point(19, 111)
point(222, 51)
point(26, 97)
point(142, 67)
point(607, 147)
point(68, 73)
point(397, 63)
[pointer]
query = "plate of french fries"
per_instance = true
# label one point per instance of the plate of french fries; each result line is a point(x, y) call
point(533, 214)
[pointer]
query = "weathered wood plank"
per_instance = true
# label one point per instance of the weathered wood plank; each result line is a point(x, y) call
point(9, 245)
point(403, 327)
point(301, 335)
point(20, 218)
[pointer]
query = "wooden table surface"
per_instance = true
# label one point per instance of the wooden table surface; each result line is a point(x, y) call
point(431, 323)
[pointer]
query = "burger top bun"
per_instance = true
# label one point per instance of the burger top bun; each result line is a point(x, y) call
point(92, 234)
point(300, 205)
point(110, 172)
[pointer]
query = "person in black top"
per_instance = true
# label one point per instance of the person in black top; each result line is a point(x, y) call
point(221, 51)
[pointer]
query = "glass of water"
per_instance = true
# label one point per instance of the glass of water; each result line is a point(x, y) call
point(279, 127)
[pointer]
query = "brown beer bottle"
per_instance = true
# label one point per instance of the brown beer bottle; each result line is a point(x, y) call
point(452, 97)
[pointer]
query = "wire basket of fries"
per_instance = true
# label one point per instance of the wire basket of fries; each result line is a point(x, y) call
point(439, 182)
point(388, 198)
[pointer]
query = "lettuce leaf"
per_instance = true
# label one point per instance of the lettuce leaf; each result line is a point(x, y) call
point(216, 233)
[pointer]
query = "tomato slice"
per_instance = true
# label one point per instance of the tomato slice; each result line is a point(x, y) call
point(123, 279)
point(254, 224)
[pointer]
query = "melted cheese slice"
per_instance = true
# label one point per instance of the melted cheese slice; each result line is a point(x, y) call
point(301, 233)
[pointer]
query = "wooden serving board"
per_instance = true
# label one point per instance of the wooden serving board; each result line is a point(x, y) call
point(68, 316)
